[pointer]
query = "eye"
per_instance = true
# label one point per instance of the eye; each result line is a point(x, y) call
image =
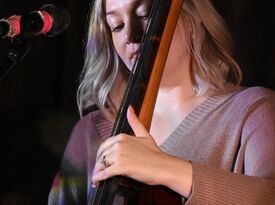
point(143, 11)
point(117, 28)
point(144, 17)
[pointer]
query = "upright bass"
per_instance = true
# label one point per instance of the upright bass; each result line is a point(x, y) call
point(141, 93)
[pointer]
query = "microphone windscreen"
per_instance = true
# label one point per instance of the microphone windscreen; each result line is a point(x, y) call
point(61, 19)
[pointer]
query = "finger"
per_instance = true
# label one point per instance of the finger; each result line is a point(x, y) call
point(99, 166)
point(107, 144)
point(103, 175)
point(135, 123)
point(105, 161)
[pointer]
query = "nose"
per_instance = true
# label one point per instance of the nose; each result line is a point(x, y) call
point(133, 32)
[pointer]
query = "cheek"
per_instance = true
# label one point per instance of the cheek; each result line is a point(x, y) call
point(121, 50)
point(116, 43)
point(119, 46)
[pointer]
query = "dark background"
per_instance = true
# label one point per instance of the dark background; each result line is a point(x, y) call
point(37, 98)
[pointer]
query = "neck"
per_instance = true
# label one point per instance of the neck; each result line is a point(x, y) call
point(176, 99)
point(118, 89)
point(176, 88)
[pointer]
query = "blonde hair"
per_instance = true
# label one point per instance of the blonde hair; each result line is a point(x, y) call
point(101, 63)
point(209, 42)
point(211, 47)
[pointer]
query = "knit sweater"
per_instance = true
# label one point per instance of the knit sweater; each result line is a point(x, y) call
point(229, 138)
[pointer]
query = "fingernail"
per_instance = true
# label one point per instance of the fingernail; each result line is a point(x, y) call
point(131, 109)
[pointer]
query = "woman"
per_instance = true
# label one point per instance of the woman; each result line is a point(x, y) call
point(211, 140)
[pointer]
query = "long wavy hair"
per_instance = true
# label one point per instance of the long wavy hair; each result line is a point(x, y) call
point(209, 42)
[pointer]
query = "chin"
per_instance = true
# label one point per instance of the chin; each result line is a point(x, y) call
point(129, 66)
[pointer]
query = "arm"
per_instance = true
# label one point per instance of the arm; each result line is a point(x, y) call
point(257, 184)
point(71, 184)
point(140, 158)
point(209, 185)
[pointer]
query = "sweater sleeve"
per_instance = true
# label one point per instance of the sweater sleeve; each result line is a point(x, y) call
point(256, 185)
point(214, 186)
point(71, 184)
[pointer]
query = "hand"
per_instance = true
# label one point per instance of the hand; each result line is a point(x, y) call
point(128, 156)
point(139, 158)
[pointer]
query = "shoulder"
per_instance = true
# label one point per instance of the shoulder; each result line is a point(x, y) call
point(258, 108)
point(242, 103)
point(247, 97)
point(86, 137)
point(255, 93)
point(94, 123)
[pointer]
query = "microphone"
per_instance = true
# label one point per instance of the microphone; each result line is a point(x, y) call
point(48, 20)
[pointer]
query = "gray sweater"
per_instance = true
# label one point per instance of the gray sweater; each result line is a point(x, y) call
point(229, 138)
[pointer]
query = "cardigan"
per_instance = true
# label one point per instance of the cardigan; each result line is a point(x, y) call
point(229, 138)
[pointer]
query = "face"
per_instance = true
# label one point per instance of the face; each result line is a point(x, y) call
point(127, 20)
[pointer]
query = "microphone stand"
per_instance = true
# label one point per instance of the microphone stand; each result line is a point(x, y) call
point(18, 50)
